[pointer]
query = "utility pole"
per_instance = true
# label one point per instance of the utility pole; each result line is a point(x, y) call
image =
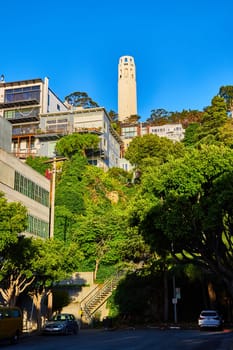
point(52, 199)
point(52, 192)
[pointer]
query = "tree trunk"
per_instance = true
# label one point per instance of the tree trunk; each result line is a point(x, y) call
point(96, 268)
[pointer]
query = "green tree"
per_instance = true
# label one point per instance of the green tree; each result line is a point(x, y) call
point(187, 202)
point(40, 164)
point(226, 92)
point(113, 115)
point(70, 187)
point(16, 272)
point(77, 143)
point(158, 114)
point(80, 99)
point(51, 263)
point(214, 117)
point(152, 146)
point(186, 117)
point(226, 133)
point(191, 135)
point(133, 118)
point(13, 221)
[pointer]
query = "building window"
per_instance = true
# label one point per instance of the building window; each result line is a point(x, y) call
point(126, 73)
point(129, 132)
point(23, 94)
point(31, 189)
point(38, 227)
point(58, 107)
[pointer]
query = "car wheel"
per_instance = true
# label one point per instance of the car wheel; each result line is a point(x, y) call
point(15, 338)
point(66, 331)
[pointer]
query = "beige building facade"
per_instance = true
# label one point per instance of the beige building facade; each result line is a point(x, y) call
point(127, 90)
point(20, 183)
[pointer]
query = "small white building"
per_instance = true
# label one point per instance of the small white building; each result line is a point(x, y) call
point(174, 132)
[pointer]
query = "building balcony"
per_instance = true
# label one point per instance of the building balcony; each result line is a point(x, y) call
point(23, 132)
point(52, 134)
point(25, 153)
point(19, 103)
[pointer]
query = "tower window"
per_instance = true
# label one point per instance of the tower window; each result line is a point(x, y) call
point(126, 59)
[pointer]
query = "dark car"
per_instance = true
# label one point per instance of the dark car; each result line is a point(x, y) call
point(61, 324)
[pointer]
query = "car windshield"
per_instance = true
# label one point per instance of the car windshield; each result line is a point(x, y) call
point(59, 318)
point(209, 313)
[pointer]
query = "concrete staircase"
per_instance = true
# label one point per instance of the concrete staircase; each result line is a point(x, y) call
point(98, 296)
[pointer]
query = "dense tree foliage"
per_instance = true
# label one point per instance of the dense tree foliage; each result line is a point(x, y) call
point(40, 164)
point(13, 221)
point(77, 143)
point(179, 213)
point(152, 146)
point(91, 211)
point(211, 128)
point(227, 93)
point(185, 117)
point(186, 204)
point(80, 99)
point(158, 114)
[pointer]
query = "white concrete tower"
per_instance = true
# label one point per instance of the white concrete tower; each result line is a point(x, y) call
point(127, 92)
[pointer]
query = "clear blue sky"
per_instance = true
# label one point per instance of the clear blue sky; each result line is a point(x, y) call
point(183, 49)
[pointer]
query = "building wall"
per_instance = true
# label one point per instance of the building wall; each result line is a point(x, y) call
point(127, 92)
point(31, 188)
point(5, 134)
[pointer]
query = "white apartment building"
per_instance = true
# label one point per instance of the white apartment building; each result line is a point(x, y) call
point(21, 103)
point(92, 120)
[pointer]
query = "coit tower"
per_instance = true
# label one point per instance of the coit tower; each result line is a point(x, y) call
point(127, 92)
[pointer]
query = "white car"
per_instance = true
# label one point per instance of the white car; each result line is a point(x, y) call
point(210, 319)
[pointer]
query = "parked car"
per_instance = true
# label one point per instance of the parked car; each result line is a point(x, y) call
point(210, 319)
point(11, 323)
point(61, 324)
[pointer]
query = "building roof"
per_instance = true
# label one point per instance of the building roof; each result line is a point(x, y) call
point(21, 82)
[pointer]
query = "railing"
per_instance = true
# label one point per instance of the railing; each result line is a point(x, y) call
point(23, 154)
point(98, 296)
